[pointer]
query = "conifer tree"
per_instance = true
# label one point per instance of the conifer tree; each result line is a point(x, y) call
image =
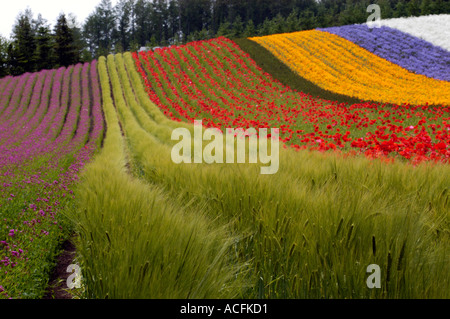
point(64, 43)
point(45, 55)
point(24, 44)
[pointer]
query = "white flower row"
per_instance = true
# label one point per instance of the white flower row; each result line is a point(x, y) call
point(432, 28)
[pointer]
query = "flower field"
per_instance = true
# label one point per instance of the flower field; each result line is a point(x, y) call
point(339, 65)
point(51, 122)
point(161, 230)
point(434, 29)
point(217, 81)
point(411, 53)
point(85, 155)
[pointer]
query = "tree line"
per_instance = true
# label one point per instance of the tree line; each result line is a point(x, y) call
point(131, 24)
point(34, 45)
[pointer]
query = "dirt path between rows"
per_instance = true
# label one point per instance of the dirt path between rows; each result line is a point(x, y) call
point(58, 280)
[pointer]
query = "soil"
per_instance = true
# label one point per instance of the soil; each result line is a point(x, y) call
point(58, 280)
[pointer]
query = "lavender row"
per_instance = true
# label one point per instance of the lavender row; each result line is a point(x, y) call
point(14, 100)
point(82, 130)
point(36, 110)
point(12, 153)
point(73, 110)
point(3, 83)
point(407, 51)
point(21, 125)
point(97, 113)
point(38, 141)
point(43, 126)
point(23, 102)
point(9, 99)
point(29, 137)
point(63, 112)
point(7, 93)
point(27, 104)
point(84, 122)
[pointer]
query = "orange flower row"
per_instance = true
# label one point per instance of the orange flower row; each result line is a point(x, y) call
point(341, 66)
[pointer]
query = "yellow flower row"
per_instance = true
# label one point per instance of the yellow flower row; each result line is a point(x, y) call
point(341, 66)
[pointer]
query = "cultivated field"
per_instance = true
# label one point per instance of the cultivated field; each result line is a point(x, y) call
point(86, 154)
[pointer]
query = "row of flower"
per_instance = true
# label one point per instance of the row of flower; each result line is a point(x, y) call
point(341, 66)
point(51, 123)
point(216, 81)
point(434, 28)
point(414, 54)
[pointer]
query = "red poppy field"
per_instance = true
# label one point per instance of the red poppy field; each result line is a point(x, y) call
point(216, 81)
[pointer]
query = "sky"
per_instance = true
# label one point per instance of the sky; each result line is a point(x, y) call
point(50, 10)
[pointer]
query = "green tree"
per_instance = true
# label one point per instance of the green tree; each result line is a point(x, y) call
point(413, 8)
point(225, 30)
point(250, 29)
point(134, 46)
point(92, 34)
point(386, 9)
point(107, 23)
point(24, 44)
point(440, 6)
point(4, 67)
point(425, 7)
point(99, 29)
point(123, 11)
point(307, 20)
point(11, 60)
point(354, 12)
point(203, 34)
point(160, 25)
point(78, 39)
point(195, 15)
point(65, 49)
point(323, 18)
point(266, 27)
point(143, 12)
point(278, 24)
point(238, 27)
point(45, 54)
point(133, 23)
point(174, 22)
point(400, 9)
point(152, 43)
point(292, 22)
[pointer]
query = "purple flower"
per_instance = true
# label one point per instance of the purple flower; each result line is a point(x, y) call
point(407, 51)
point(48, 114)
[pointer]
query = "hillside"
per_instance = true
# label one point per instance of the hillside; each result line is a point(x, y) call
point(339, 65)
point(86, 154)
